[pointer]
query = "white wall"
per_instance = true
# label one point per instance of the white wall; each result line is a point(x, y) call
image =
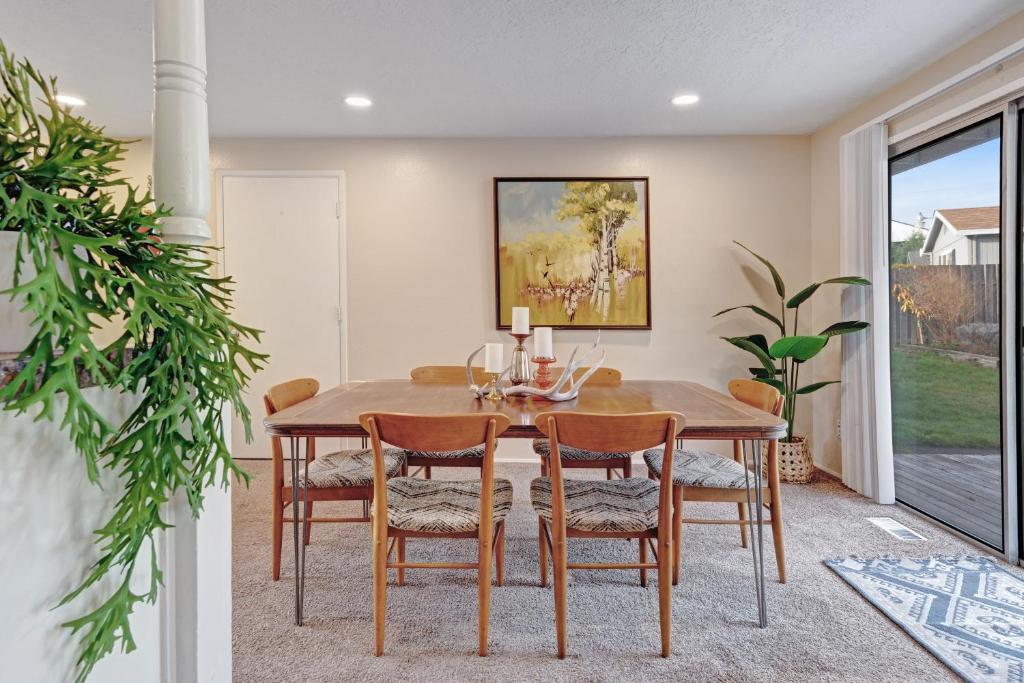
point(420, 239)
point(46, 542)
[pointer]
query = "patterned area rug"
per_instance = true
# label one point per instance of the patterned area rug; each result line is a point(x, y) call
point(967, 611)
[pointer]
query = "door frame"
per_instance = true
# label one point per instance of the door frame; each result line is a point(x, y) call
point(341, 213)
point(1010, 292)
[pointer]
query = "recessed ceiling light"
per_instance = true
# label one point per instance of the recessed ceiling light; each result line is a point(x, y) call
point(70, 100)
point(358, 101)
point(685, 100)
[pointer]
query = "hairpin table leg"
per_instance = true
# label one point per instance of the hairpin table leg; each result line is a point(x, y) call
point(756, 549)
point(294, 445)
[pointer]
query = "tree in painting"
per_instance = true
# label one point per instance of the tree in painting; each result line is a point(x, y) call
point(601, 209)
point(573, 251)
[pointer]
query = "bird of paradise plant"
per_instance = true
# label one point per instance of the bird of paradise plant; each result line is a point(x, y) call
point(781, 360)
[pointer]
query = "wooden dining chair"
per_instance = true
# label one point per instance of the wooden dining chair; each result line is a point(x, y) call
point(345, 475)
point(702, 476)
point(579, 458)
point(463, 457)
point(407, 507)
point(626, 508)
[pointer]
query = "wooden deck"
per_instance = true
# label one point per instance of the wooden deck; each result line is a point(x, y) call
point(962, 490)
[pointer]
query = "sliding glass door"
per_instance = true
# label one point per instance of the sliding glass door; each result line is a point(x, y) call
point(946, 326)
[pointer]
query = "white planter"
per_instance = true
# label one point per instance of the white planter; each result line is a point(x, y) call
point(15, 325)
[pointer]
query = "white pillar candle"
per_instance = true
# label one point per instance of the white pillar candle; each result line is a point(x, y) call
point(520, 320)
point(493, 363)
point(542, 347)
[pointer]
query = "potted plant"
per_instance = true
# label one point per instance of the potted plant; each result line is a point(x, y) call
point(85, 253)
point(780, 361)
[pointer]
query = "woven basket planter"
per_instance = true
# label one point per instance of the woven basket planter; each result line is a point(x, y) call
point(795, 462)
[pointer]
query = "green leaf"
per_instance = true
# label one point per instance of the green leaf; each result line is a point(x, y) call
point(845, 327)
point(800, 348)
point(780, 286)
point(756, 309)
point(811, 388)
point(805, 293)
point(754, 348)
point(777, 383)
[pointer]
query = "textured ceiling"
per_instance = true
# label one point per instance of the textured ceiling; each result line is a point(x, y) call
point(497, 68)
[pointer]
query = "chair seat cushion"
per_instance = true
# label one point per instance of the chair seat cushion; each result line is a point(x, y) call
point(437, 506)
point(598, 505)
point(701, 469)
point(349, 469)
point(543, 448)
point(474, 452)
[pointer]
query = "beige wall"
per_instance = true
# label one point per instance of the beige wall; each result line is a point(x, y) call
point(420, 238)
point(825, 194)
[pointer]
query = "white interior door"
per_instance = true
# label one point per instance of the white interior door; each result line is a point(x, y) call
point(282, 238)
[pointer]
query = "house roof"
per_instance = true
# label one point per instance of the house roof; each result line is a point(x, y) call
point(975, 220)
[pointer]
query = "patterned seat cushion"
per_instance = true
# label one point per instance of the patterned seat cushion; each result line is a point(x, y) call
point(350, 468)
point(440, 506)
point(700, 469)
point(598, 505)
point(474, 452)
point(543, 448)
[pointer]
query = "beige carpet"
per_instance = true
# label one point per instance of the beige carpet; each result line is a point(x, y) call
point(819, 629)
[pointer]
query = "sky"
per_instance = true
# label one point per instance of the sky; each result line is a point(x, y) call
point(530, 206)
point(967, 178)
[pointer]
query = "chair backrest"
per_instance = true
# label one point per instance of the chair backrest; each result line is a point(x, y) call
point(279, 397)
point(447, 374)
point(609, 377)
point(436, 433)
point(610, 433)
point(757, 395)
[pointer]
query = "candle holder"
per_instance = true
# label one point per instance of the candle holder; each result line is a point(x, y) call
point(520, 369)
point(543, 376)
point(493, 394)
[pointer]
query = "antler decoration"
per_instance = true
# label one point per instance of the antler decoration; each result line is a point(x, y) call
point(554, 392)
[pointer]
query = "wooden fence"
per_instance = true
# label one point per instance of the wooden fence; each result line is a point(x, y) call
point(982, 280)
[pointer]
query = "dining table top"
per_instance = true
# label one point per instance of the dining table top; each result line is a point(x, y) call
point(709, 414)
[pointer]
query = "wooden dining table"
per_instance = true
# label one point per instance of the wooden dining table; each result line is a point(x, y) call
point(710, 415)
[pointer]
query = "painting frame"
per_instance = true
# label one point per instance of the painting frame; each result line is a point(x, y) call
point(644, 180)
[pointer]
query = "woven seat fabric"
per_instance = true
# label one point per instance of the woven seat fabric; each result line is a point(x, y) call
point(597, 505)
point(542, 447)
point(473, 452)
point(350, 469)
point(437, 506)
point(702, 469)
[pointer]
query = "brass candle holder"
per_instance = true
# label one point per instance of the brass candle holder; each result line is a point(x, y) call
point(520, 372)
point(493, 394)
point(543, 376)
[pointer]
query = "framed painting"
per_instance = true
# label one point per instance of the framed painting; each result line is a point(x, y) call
point(576, 251)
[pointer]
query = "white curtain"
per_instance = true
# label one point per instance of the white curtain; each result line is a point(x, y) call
point(865, 415)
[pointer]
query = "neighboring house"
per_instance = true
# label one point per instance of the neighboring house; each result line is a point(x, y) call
point(963, 237)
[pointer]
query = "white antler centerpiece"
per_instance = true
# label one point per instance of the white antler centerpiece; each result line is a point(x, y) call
point(555, 391)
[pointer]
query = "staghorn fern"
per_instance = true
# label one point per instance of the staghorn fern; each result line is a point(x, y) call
point(179, 352)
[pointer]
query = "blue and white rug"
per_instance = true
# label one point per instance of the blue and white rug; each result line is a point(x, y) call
point(967, 611)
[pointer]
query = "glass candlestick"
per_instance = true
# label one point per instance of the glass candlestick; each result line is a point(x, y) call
point(520, 372)
point(543, 376)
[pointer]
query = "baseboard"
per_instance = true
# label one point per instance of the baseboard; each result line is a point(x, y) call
point(829, 470)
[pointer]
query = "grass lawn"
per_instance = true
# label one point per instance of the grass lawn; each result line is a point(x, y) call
point(940, 402)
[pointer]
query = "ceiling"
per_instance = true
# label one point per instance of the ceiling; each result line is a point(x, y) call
point(504, 68)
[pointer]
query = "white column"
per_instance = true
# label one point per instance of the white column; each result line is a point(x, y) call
point(181, 135)
point(195, 602)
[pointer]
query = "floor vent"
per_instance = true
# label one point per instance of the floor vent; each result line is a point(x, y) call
point(894, 528)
